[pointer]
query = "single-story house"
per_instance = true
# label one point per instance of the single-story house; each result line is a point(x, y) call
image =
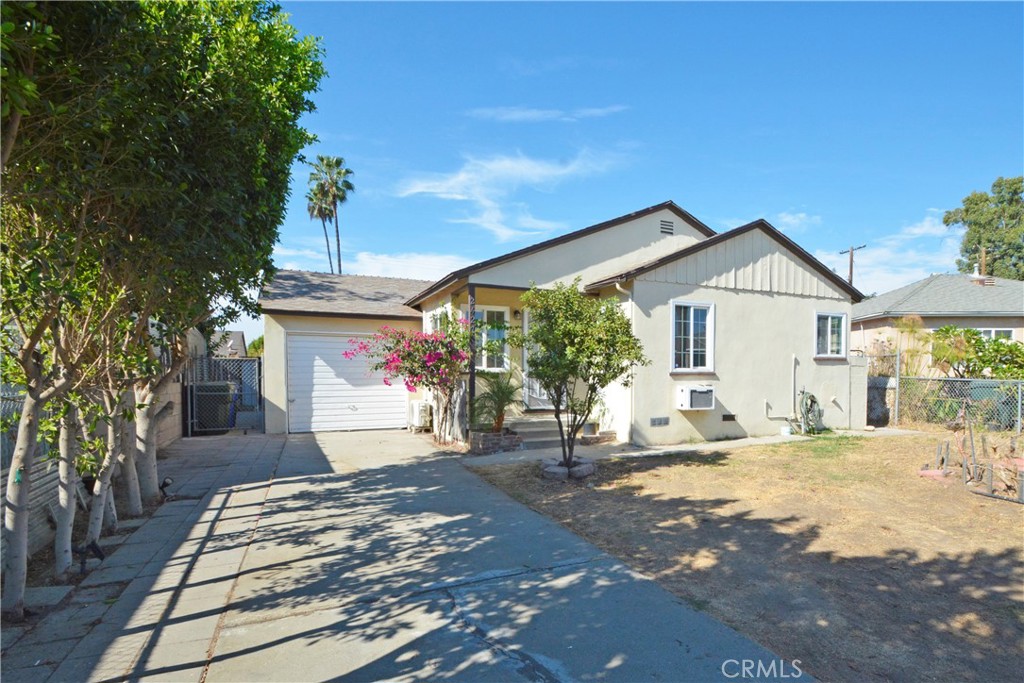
point(992, 305)
point(736, 325)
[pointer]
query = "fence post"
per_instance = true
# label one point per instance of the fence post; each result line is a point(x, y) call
point(1019, 385)
point(896, 401)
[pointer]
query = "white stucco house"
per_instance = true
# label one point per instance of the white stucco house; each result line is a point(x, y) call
point(735, 324)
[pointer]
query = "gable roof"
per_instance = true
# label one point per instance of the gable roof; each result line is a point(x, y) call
point(229, 343)
point(955, 294)
point(759, 224)
point(299, 292)
point(562, 239)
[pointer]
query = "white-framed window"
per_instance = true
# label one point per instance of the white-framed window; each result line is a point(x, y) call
point(492, 316)
point(996, 333)
point(693, 337)
point(830, 335)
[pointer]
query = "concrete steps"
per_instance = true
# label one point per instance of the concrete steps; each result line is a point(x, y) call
point(538, 430)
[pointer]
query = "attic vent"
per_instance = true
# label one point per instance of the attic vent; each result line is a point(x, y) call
point(668, 228)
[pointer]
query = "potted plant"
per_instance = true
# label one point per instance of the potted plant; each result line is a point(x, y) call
point(500, 391)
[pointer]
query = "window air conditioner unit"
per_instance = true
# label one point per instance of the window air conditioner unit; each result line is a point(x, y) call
point(695, 397)
point(419, 414)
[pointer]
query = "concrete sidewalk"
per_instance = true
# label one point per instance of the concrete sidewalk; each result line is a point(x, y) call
point(364, 556)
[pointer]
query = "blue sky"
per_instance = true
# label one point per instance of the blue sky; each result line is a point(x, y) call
point(478, 128)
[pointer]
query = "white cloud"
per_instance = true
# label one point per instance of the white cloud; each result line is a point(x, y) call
point(408, 265)
point(535, 115)
point(910, 254)
point(486, 183)
point(795, 222)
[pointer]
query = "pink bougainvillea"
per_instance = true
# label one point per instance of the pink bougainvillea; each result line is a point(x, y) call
point(427, 360)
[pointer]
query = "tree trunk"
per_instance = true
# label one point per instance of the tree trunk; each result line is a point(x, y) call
point(145, 446)
point(126, 458)
point(110, 512)
point(327, 239)
point(19, 482)
point(147, 427)
point(63, 555)
point(101, 489)
point(337, 238)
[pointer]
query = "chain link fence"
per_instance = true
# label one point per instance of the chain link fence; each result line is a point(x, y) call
point(895, 400)
point(224, 394)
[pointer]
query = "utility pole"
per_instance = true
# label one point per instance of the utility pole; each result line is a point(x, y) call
point(850, 252)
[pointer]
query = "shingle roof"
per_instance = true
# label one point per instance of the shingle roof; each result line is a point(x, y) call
point(354, 296)
point(229, 343)
point(759, 224)
point(561, 239)
point(946, 295)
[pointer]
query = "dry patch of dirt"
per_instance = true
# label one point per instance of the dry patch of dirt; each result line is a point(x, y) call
point(834, 552)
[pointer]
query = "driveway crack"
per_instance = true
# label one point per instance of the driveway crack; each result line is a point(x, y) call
point(525, 664)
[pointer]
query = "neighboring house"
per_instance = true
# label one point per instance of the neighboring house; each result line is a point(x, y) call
point(746, 314)
point(228, 344)
point(309, 386)
point(994, 306)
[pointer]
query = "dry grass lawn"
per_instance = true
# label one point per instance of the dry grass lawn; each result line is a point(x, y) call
point(834, 552)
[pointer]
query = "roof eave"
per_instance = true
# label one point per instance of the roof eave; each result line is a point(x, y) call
point(454, 276)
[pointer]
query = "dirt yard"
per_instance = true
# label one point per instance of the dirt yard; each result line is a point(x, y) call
point(834, 552)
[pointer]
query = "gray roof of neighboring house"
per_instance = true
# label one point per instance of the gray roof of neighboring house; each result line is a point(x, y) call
point(228, 343)
point(298, 292)
point(946, 295)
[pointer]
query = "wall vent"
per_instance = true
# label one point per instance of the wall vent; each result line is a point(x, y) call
point(659, 422)
point(668, 228)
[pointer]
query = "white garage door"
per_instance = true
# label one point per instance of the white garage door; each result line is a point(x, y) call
point(328, 392)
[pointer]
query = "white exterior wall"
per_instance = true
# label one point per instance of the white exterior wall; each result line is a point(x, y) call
point(760, 340)
point(275, 360)
point(765, 305)
point(595, 256)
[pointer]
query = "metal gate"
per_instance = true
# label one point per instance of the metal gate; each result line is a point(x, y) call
point(223, 394)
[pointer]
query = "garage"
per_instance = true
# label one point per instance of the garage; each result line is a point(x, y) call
point(328, 392)
point(308, 320)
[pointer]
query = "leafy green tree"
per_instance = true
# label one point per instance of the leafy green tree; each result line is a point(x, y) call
point(994, 222)
point(964, 352)
point(329, 185)
point(577, 345)
point(256, 347)
point(146, 180)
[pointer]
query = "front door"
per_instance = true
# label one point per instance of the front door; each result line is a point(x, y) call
point(534, 396)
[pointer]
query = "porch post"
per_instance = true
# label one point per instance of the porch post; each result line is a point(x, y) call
point(471, 291)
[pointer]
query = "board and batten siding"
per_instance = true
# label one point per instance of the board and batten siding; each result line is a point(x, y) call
point(751, 262)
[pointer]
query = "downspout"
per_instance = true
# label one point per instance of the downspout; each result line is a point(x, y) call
point(632, 328)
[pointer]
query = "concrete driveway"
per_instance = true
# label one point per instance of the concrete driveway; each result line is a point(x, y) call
point(369, 556)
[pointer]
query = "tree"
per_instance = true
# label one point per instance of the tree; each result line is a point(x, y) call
point(994, 222)
point(330, 185)
point(318, 207)
point(433, 361)
point(256, 347)
point(966, 353)
point(146, 179)
point(576, 345)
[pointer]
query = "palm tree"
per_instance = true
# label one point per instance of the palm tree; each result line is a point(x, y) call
point(330, 179)
point(319, 208)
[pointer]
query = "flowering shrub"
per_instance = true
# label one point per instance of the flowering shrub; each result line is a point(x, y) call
point(433, 361)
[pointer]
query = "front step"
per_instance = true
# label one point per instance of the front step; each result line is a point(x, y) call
point(537, 431)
